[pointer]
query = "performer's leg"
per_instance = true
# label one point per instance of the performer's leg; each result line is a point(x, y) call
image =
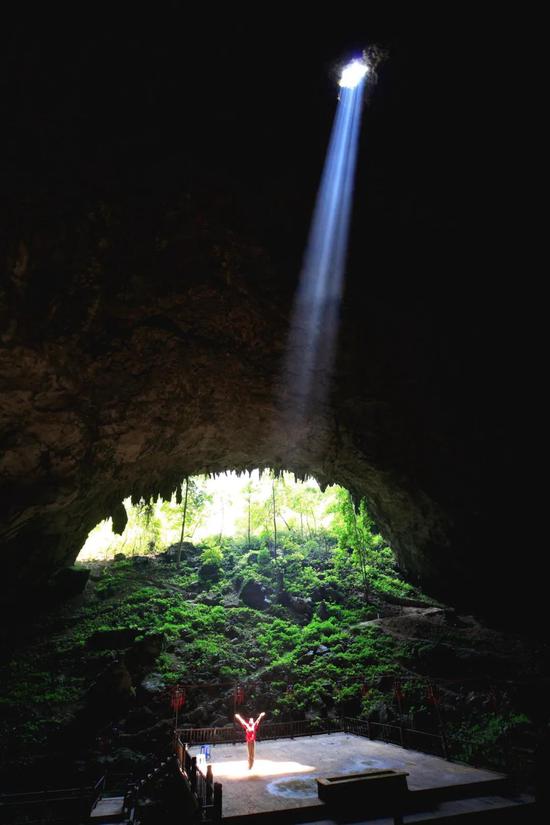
point(250, 753)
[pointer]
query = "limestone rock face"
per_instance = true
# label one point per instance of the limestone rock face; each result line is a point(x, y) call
point(143, 340)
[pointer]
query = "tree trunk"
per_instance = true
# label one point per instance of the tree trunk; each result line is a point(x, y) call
point(362, 551)
point(274, 521)
point(222, 522)
point(249, 506)
point(178, 555)
point(285, 522)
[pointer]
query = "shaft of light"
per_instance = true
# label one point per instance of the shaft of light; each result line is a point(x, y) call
point(313, 334)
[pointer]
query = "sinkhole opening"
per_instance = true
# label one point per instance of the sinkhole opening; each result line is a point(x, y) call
point(284, 534)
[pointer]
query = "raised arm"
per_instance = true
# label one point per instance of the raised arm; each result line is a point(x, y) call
point(240, 719)
point(257, 722)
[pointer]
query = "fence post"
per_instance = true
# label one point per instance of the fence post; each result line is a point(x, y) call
point(209, 784)
point(217, 801)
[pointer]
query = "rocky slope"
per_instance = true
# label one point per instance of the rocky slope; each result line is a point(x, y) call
point(88, 687)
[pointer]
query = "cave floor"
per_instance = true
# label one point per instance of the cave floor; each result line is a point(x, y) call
point(285, 770)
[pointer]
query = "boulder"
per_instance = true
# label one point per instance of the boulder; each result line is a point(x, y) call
point(302, 606)
point(171, 554)
point(69, 582)
point(209, 572)
point(209, 598)
point(153, 684)
point(140, 561)
point(113, 685)
point(284, 598)
point(220, 722)
point(231, 600)
point(199, 717)
point(328, 592)
point(254, 595)
point(138, 718)
point(145, 651)
point(298, 604)
point(116, 639)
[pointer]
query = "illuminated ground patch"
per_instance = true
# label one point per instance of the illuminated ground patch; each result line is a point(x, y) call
point(262, 767)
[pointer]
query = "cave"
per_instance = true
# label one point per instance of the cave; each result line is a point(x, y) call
point(158, 202)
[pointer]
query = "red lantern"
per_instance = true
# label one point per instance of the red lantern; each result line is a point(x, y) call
point(398, 691)
point(434, 697)
point(177, 698)
point(239, 695)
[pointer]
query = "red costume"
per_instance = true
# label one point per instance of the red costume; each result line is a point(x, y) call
point(250, 729)
point(251, 732)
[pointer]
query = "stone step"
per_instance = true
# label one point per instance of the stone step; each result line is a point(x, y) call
point(109, 809)
point(519, 809)
point(425, 798)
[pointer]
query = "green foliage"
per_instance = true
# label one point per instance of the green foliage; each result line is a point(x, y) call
point(363, 550)
point(484, 734)
point(212, 554)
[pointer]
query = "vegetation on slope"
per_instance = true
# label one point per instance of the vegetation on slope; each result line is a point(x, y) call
point(294, 616)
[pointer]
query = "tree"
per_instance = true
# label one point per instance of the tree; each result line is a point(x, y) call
point(148, 524)
point(184, 517)
point(306, 500)
point(354, 529)
point(181, 520)
point(274, 519)
point(248, 489)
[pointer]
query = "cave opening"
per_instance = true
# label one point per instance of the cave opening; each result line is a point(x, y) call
point(258, 508)
point(240, 593)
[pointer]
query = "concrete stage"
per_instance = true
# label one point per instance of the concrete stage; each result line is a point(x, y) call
point(285, 770)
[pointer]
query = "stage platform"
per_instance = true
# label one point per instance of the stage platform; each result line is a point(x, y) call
point(285, 770)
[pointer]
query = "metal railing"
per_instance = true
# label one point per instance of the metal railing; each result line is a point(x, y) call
point(411, 738)
point(275, 730)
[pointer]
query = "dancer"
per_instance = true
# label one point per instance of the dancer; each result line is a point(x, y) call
point(250, 728)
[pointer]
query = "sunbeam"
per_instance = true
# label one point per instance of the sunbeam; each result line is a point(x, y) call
point(314, 328)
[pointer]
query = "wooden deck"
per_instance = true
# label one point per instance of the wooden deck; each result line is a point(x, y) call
point(285, 772)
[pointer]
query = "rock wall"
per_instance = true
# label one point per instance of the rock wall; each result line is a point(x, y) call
point(142, 340)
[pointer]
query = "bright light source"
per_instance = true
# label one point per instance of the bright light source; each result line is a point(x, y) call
point(353, 74)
